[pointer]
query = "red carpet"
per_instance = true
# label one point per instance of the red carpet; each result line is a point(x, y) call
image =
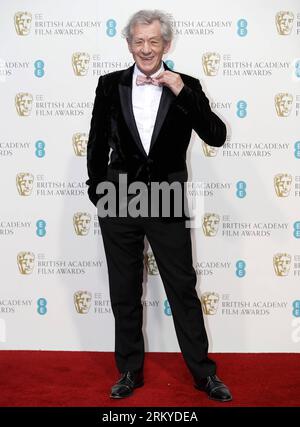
point(44, 378)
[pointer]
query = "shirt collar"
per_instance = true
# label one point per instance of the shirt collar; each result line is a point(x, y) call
point(137, 71)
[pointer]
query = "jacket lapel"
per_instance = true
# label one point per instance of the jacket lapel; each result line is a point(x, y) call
point(166, 98)
point(125, 91)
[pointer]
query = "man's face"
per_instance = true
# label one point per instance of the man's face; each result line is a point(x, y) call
point(148, 47)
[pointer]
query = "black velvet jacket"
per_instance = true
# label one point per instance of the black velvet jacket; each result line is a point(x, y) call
point(113, 127)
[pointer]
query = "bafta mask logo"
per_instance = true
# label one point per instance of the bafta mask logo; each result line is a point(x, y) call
point(283, 104)
point(23, 103)
point(211, 63)
point(282, 264)
point(82, 222)
point(25, 261)
point(284, 22)
point(208, 150)
point(210, 302)
point(80, 141)
point(151, 265)
point(82, 301)
point(80, 63)
point(22, 22)
point(210, 224)
point(24, 182)
point(283, 184)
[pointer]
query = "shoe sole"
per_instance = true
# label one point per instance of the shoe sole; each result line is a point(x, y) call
point(220, 400)
point(129, 394)
point(213, 398)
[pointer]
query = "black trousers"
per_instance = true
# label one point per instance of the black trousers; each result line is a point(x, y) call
point(170, 241)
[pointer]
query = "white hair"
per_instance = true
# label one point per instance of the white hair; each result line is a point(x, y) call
point(147, 17)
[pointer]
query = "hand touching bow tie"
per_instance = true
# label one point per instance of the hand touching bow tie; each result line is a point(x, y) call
point(167, 78)
point(143, 80)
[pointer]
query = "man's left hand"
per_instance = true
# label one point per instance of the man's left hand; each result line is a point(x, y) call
point(172, 80)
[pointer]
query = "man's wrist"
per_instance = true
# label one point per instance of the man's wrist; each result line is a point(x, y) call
point(179, 89)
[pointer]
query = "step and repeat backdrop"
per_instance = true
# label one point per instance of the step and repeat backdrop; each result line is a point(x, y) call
point(54, 286)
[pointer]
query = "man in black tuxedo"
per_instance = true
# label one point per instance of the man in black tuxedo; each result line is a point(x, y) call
point(140, 128)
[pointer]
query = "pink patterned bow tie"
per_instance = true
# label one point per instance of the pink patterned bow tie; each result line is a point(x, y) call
point(143, 80)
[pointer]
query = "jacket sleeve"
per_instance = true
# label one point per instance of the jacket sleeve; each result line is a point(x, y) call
point(97, 147)
point(195, 106)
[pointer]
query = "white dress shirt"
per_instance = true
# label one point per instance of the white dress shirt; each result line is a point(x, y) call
point(145, 102)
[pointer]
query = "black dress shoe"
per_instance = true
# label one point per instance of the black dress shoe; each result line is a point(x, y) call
point(215, 389)
point(126, 384)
